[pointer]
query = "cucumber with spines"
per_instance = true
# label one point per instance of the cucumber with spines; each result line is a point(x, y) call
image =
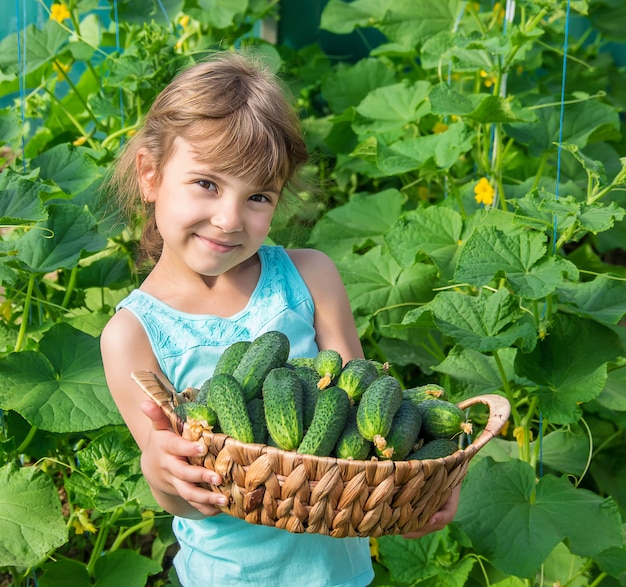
point(328, 364)
point(379, 404)
point(283, 407)
point(268, 351)
point(329, 419)
point(405, 428)
point(356, 376)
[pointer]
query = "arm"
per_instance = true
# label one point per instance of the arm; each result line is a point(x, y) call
point(335, 328)
point(173, 481)
point(334, 322)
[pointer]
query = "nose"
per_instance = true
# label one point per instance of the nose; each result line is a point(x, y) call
point(228, 216)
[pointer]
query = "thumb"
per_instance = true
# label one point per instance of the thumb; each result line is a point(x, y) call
point(159, 420)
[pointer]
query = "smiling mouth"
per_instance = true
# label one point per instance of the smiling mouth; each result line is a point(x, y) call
point(218, 245)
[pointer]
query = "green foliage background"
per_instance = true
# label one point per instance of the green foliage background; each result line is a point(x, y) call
point(522, 294)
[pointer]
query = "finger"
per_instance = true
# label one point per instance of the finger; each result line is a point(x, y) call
point(159, 420)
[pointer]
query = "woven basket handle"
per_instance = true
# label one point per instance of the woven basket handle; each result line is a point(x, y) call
point(499, 412)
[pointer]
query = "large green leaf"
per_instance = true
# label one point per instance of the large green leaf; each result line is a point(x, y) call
point(349, 84)
point(60, 388)
point(223, 14)
point(71, 168)
point(375, 282)
point(476, 372)
point(483, 323)
point(362, 221)
point(433, 231)
point(516, 521)
point(392, 107)
point(582, 121)
point(603, 299)
point(19, 199)
point(30, 510)
point(520, 258)
point(59, 242)
point(120, 567)
point(569, 366)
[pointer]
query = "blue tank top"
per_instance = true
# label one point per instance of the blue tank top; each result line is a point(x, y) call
point(222, 550)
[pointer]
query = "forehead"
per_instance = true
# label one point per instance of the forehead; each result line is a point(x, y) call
point(207, 159)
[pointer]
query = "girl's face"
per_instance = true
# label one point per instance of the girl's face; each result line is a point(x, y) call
point(210, 222)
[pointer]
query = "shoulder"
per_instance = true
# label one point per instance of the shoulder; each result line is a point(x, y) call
point(122, 331)
point(312, 263)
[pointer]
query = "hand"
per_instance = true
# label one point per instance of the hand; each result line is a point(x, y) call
point(173, 480)
point(440, 519)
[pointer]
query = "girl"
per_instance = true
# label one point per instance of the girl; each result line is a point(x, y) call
point(219, 148)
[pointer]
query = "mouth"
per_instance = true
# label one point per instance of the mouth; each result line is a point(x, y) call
point(217, 245)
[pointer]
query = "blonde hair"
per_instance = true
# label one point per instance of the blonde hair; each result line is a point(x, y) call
point(235, 113)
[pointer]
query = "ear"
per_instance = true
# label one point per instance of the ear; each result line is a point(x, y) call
point(147, 173)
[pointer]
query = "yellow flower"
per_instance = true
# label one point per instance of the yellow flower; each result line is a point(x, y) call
point(59, 12)
point(374, 550)
point(79, 141)
point(489, 80)
point(440, 127)
point(184, 21)
point(81, 522)
point(520, 435)
point(61, 69)
point(484, 192)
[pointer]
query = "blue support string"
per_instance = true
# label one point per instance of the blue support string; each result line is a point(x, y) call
point(167, 18)
point(21, 74)
point(118, 48)
point(561, 119)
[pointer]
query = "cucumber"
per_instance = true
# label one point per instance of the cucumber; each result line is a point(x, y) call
point(435, 449)
point(424, 392)
point(402, 436)
point(267, 352)
point(196, 411)
point(379, 404)
point(301, 362)
point(202, 397)
point(442, 419)
point(256, 413)
point(329, 419)
point(310, 392)
point(356, 376)
point(283, 407)
point(351, 443)
point(328, 364)
point(230, 358)
point(230, 406)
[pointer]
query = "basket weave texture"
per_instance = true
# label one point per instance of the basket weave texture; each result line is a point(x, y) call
point(326, 495)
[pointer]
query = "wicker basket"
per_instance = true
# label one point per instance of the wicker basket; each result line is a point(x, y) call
point(325, 495)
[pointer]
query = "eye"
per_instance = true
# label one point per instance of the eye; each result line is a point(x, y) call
point(206, 184)
point(261, 198)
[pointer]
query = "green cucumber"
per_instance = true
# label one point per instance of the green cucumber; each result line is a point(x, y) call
point(231, 357)
point(267, 352)
point(405, 428)
point(435, 449)
point(351, 443)
point(329, 419)
point(310, 392)
point(424, 392)
point(356, 376)
point(256, 413)
point(283, 407)
point(441, 419)
point(379, 404)
point(328, 364)
point(230, 406)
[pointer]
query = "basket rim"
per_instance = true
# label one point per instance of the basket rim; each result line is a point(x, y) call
point(162, 393)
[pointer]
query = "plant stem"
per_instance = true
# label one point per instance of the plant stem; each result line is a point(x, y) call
point(27, 440)
point(507, 388)
point(126, 533)
point(25, 313)
point(67, 78)
point(70, 287)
